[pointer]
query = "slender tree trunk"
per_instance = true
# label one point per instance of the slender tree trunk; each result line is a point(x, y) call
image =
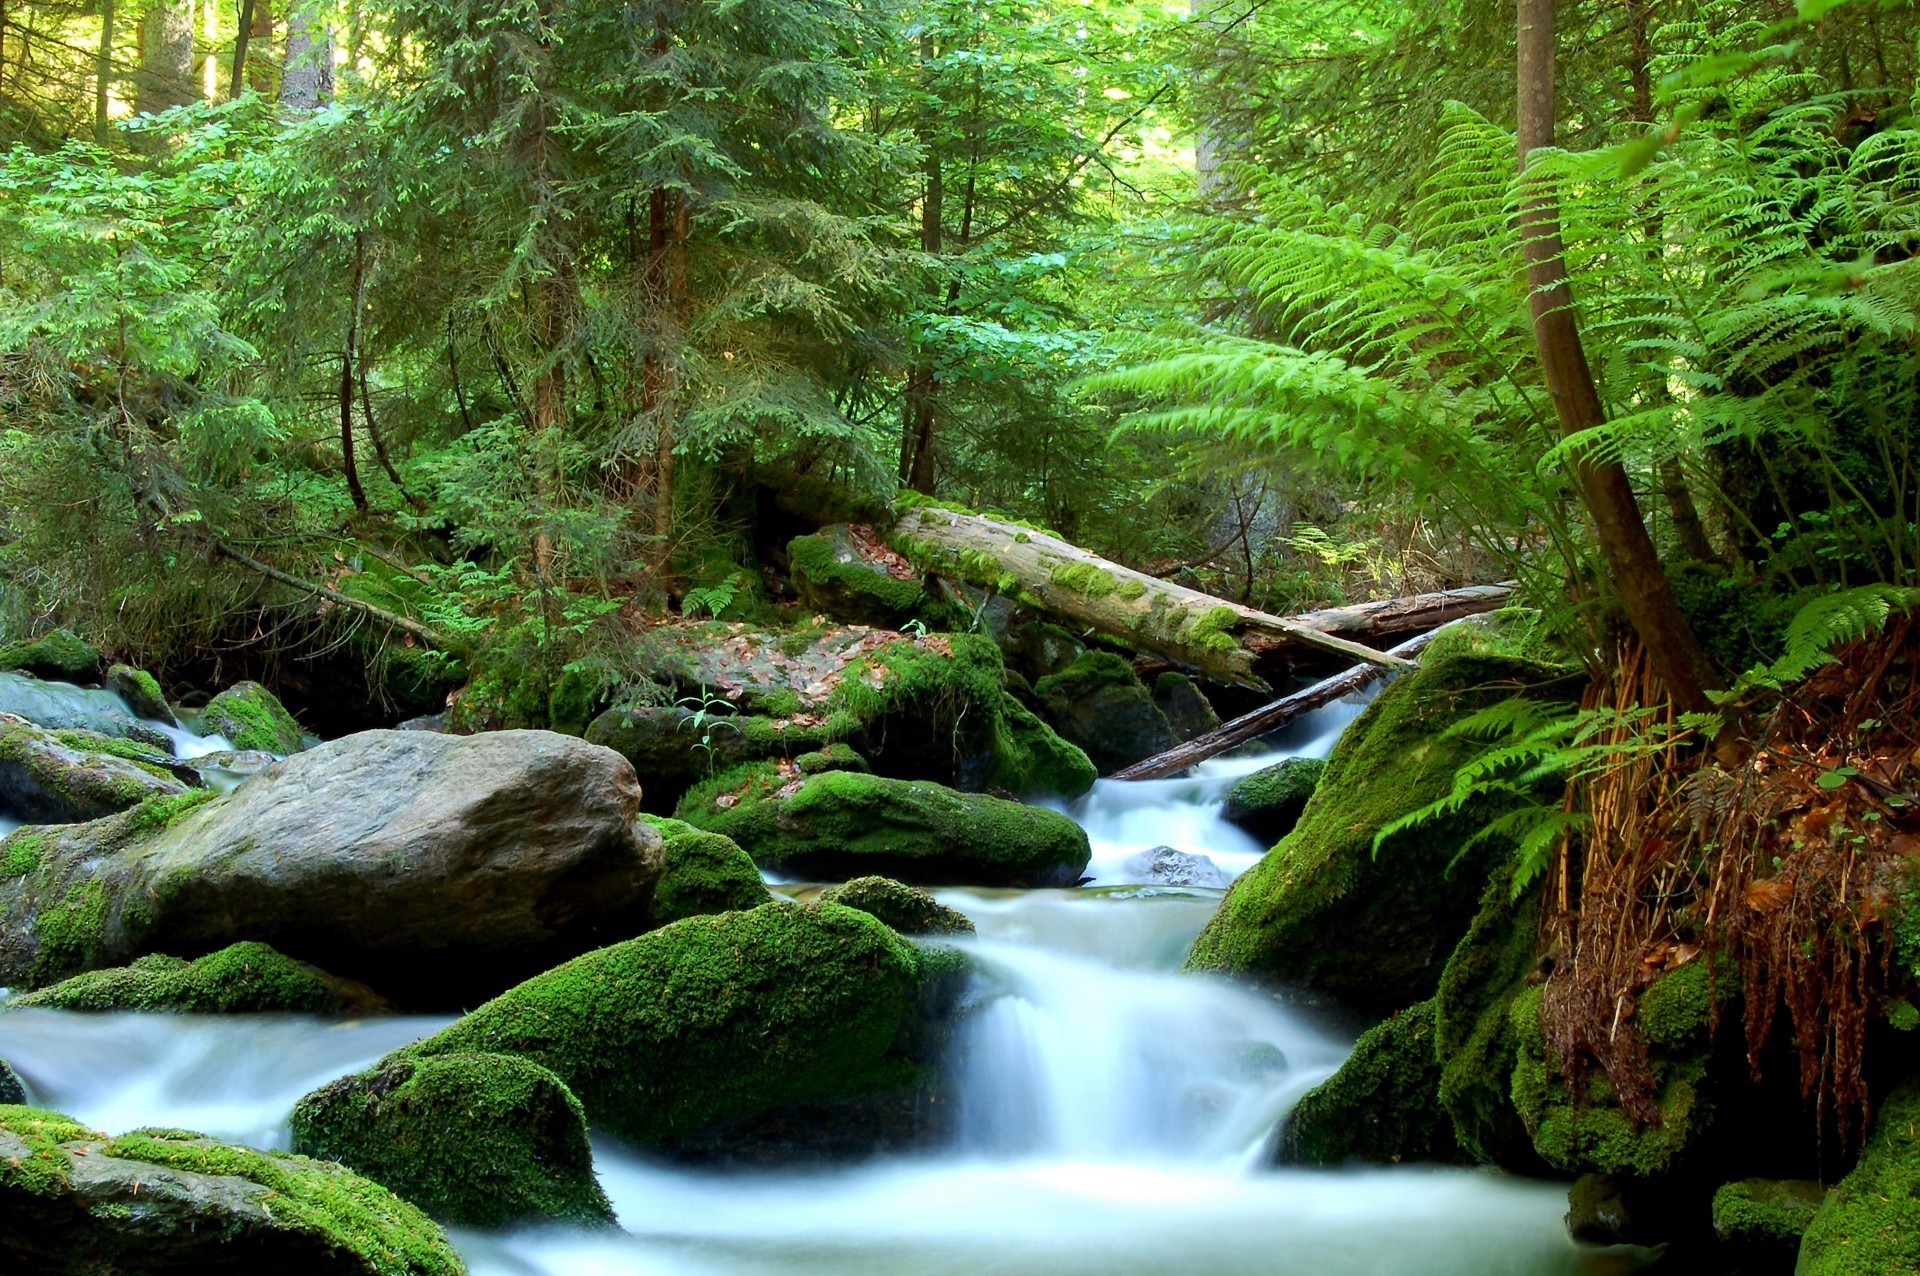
point(923, 384)
point(242, 34)
point(102, 73)
point(259, 38)
point(1631, 560)
point(356, 295)
point(166, 58)
point(666, 274)
point(306, 77)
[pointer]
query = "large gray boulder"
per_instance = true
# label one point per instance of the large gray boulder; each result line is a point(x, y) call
point(439, 868)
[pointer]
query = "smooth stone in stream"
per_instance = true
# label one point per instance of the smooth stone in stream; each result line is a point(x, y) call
point(142, 693)
point(59, 706)
point(1165, 866)
point(438, 868)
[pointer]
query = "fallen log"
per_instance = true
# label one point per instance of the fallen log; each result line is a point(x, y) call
point(1415, 613)
point(1044, 572)
point(1266, 718)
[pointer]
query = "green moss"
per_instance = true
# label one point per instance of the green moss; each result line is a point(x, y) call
point(1269, 802)
point(61, 654)
point(242, 978)
point(831, 577)
point(1381, 1106)
point(712, 1019)
point(841, 824)
point(141, 692)
point(70, 932)
point(42, 1170)
point(1870, 1222)
point(834, 757)
point(1131, 589)
point(1473, 1028)
point(21, 852)
point(704, 873)
point(250, 717)
point(483, 1140)
point(1766, 1213)
point(336, 1208)
point(148, 756)
point(1084, 578)
point(909, 911)
point(1213, 630)
point(157, 813)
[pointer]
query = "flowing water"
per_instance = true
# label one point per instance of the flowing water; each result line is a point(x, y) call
point(1114, 1117)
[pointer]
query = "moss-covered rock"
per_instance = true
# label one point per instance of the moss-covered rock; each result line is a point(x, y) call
point(141, 692)
point(703, 873)
point(1268, 803)
point(1474, 1030)
point(1590, 1132)
point(251, 717)
point(1381, 1106)
point(833, 757)
point(909, 911)
point(1766, 1215)
point(673, 747)
point(65, 777)
point(157, 1201)
point(1869, 1224)
point(482, 1140)
point(244, 978)
point(716, 1020)
point(854, 578)
point(1045, 649)
point(1097, 703)
point(11, 1088)
point(61, 655)
point(1186, 707)
point(841, 824)
point(1399, 912)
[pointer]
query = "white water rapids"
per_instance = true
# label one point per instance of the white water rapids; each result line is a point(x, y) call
point(1114, 1115)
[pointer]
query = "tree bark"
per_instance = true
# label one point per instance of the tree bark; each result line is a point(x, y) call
point(306, 76)
point(917, 432)
point(349, 351)
point(1627, 550)
point(1044, 572)
point(1266, 718)
point(103, 74)
point(1389, 616)
point(166, 58)
point(260, 32)
point(242, 34)
point(667, 226)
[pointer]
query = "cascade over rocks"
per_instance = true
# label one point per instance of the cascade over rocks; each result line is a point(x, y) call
point(836, 825)
point(67, 776)
point(58, 707)
point(169, 1201)
point(439, 867)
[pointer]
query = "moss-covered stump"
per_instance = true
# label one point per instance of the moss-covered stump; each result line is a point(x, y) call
point(58, 656)
point(1267, 804)
point(251, 717)
point(1870, 1222)
point(1381, 1106)
point(141, 692)
point(844, 571)
point(481, 1140)
point(68, 776)
point(703, 873)
point(1590, 1132)
point(1766, 1217)
point(244, 978)
point(11, 1088)
point(166, 1201)
point(712, 1022)
point(909, 911)
point(1098, 704)
point(839, 825)
point(1399, 912)
point(1187, 709)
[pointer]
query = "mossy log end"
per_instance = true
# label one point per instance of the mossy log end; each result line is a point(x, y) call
point(1042, 571)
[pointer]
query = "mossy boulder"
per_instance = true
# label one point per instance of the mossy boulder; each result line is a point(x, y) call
point(717, 1021)
point(1766, 1217)
point(844, 571)
point(68, 776)
point(1268, 803)
point(1398, 911)
point(839, 825)
point(673, 747)
point(702, 872)
point(167, 1201)
point(445, 868)
point(1187, 709)
point(481, 1140)
point(1869, 1224)
point(1097, 703)
point(1045, 649)
point(906, 910)
point(1381, 1106)
point(244, 978)
point(58, 707)
point(141, 692)
point(832, 757)
point(61, 655)
point(251, 717)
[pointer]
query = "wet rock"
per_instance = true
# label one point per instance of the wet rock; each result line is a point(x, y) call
point(479, 1140)
point(906, 910)
point(11, 1089)
point(59, 707)
point(63, 777)
point(58, 656)
point(167, 1201)
point(1870, 1222)
point(223, 771)
point(1381, 1106)
point(702, 873)
point(141, 691)
point(1268, 803)
point(840, 824)
point(250, 717)
point(436, 722)
point(846, 572)
point(245, 978)
point(1187, 709)
point(440, 867)
point(1098, 704)
point(1165, 866)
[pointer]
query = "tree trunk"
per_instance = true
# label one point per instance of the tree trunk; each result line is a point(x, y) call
point(243, 33)
point(166, 58)
point(306, 77)
point(260, 37)
point(103, 74)
point(1389, 616)
point(667, 225)
point(917, 431)
point(1627, 550)
point(349, 352)
point(1048, 574)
